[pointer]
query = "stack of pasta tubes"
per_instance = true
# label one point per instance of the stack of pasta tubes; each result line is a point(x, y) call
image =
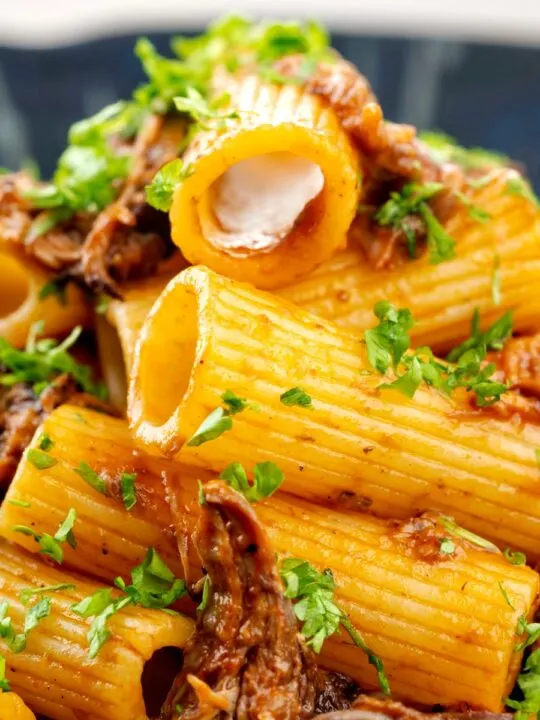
point(421, 504)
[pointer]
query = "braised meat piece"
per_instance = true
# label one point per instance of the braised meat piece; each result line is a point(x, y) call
point(22, 411)
point(247, 659)
point(372, 708)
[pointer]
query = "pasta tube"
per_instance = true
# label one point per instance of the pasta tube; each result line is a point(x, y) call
point(270, 194)
point(426, 619)
point(117, 331)
point(13, 708)
point(54, 674)
point(116, 541)
point(505, 250)
point(21, 282)
point(360, 445)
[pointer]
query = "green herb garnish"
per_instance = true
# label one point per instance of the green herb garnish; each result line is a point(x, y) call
point(127, 486)
point(219, 420)
point(296, 396)
point(516, 558)
point(91, 477)
point(520, 187)
point(41, 460)
point(267, 479)
point(315, 607)
point(52, 545)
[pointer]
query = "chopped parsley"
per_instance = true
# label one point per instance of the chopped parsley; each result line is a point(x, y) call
point(296, 396)
point(160, 192)
point(53, 288)
point(387, 346)
point(516, 558)
point(476, 213)
point(90, 476)
point(41, 460)
point(28, 593)
point(43, 360)
point(4, 682)
point(452, 527)
point(267, 479)
point(530, 630)
point(315, 607)
point(219, 421)
point(529, 684)
point(520, 187)
point(412, 201)
point(153, 585)
point(52, 545)
point(207, 589)
point(127, 486)
point(447, 546)
point(17, 641)
point(505, 595)
point(45, 442)
point(20, 503)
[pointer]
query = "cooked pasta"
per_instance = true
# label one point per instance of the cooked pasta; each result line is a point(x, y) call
point(315, 502)
point(270, 194)
point(22, 283)
point(13, 708)
point(462, 593)
point(441, 297)
point(54, 673)
point(206, 335)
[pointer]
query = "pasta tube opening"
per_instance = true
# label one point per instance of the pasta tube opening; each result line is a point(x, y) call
point(14, 284)
point(112, 362)
point(160, 394)
point(270, 194)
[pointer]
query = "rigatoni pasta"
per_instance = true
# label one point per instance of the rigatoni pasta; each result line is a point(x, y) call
point(393, 455)
point(13, 708)
point(454, 607)
point(22, 283)
point(270, 190)
point(54, 673)
point(503, 250)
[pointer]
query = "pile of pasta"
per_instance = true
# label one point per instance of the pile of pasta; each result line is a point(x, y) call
point(326, 263)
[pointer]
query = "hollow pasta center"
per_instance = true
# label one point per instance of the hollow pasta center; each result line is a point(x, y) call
point(257, 201)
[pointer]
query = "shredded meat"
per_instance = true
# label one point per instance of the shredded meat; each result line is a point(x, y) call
point(518, 364)
point(421, 536)
point(371, 708)
point(391, 156)
point(22, 411)
point(127, 240)
point(246, 659)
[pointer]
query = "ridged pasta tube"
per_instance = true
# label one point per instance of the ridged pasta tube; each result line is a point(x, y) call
point(442, 297)
point(117, 331)
point(21, 281)
point(427, 619)
point(13, 708)
point(372, 448)
point(271, 194)
point(54, 674)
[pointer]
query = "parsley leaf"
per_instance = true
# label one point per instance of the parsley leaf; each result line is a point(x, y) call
point(493, 339)
point(127, 485)
point(318, 612)
point(43, 360)
point(219, 420)
point(267, 479)
point(28, 593)
point(52, 545)
point(159, 194)
point(91, 477)
point(505, 595)
point(54, 288)
point(452, 527)
point(447, 546)
point(20, 503)
point(153, 586)
point(41, 460)
point(207, 589)
point(4, 682)
point(45, 442)
point(387, 342)
point(441, 246)
point(529, 684)
point(296, 396)
point(516, 558)
point(40, 610)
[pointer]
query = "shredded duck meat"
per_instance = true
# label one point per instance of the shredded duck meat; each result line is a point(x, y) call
point(126, 240)
point(391, 156)
point(247, 659)
point(518, 364)
point(372, 708)
point(129, 238)
point(22, 411)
